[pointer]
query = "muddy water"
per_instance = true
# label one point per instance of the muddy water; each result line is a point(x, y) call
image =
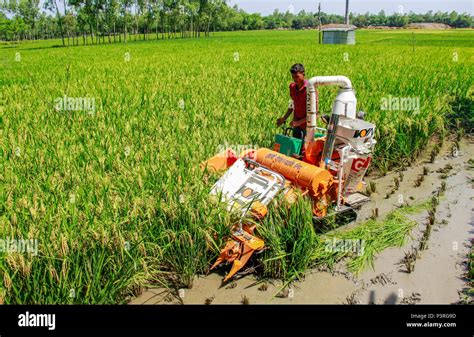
point(438, 274)
point(319, 287)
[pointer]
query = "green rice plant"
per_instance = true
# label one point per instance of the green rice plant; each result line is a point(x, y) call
point(396, 183)
point(409, 260)
point(373, 186)
point(425, 238)
point(209, 300)
point(471, 264)
point(470, 163)
point(377, 236)
point(289, 234)
point(446, 169)
point(375, 213)
point(263, 287)
point(419, 180)
point(368, 191)
point(426, 170)
point(400, 176)
point(416, 208)
point(442, 189)
point(374, 236)
point(434, 201)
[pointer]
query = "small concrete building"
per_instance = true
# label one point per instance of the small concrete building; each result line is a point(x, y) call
point(338, 34)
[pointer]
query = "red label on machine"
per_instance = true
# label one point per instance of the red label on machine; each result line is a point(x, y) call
point(356, 174)
point(360, 164)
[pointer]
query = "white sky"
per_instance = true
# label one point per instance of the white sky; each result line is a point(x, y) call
point(356, 6)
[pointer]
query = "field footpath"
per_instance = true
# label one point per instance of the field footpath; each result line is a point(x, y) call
point(438, 276)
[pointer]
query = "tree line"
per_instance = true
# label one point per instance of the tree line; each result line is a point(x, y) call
point(107, 21)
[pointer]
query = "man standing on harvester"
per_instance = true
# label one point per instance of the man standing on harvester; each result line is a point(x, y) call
point(298, 102)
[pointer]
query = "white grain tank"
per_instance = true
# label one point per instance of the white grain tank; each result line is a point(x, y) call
point(356, 136)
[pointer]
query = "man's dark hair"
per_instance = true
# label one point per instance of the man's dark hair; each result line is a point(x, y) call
point(297, 68)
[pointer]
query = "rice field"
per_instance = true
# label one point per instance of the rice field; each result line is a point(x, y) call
point(100, 148)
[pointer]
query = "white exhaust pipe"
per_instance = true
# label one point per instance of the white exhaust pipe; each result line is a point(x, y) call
point(345, 103)
point(341, 81)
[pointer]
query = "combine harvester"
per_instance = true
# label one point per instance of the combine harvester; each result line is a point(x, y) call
point(328, 167)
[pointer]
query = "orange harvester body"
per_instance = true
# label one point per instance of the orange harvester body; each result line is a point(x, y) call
point(318, 181)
